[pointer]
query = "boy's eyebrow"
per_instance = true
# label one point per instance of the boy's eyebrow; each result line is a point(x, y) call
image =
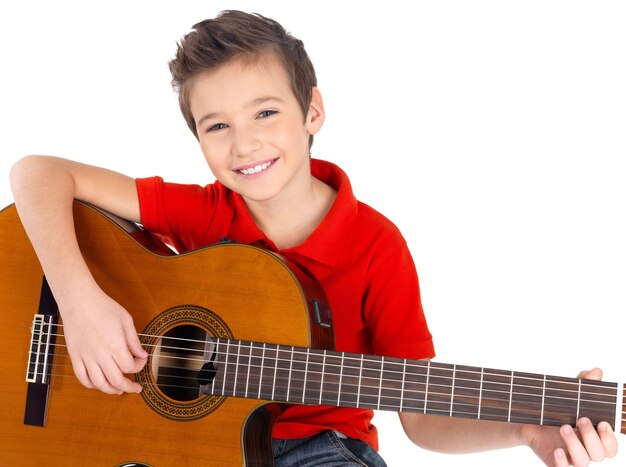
point(263, 100)
point(255, 102)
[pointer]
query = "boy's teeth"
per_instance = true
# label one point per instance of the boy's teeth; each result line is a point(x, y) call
point(256, 169)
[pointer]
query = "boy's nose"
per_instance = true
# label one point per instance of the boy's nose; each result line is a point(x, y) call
point(245, 143)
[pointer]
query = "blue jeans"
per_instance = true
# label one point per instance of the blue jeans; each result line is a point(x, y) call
point(327, 449)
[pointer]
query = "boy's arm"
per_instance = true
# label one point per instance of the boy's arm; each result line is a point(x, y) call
point(100, 335)
point(554, 446)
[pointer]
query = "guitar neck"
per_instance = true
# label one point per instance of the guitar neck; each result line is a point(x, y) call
point(308, 376)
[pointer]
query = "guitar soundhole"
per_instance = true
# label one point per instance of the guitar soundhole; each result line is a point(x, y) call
point(183, 361)
point(181, 344)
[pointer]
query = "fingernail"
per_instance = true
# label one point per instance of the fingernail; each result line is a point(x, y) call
point(559, 453)
point(566, 429)
point(583, 422)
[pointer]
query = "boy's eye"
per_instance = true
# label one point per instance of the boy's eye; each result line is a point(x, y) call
point(216, 127)
point(267, 113)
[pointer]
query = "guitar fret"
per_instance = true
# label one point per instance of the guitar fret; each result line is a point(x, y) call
point(495, 395)
point(290, 378)
point(370, 377)
point(380, 382)
point(403, 383)
point(267, 378)
point(275, 373)
point(598, 400)
point(249, 366)
point(510, 398)
point(452, 390)
point(480, 394)
point(439, 389)
point(299, 374)
point(314, 376)
point(526, 399)
point(236, 369)
point(358, 394)
point(392, 384)
point(340, 378)
point(243, 360)
point(543, 399)
point(578, 404)
point(332, 374)
point(261, 372)
point(427, 387)
point(322, 379)
point(349, 380)
point(466, 392)
point(283, 373)
point(306, 374)
point(414, 374)
point(257, 362)
point(620, 410)
point(560, 405)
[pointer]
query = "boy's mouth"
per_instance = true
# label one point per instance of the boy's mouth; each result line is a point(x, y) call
point(256, 168)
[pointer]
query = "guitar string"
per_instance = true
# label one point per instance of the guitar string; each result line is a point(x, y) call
point(377, 379)
point(372, 359)
point(407, 401)
point(459, 409)
point(589, 384)
point(574, 394)
point(432, 409)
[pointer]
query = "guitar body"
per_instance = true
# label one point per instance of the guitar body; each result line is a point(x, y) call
point(227, 290)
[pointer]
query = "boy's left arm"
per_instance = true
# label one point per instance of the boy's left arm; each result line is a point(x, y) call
point(556, 447)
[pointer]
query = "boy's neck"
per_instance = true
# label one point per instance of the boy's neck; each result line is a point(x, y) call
point(289, 222)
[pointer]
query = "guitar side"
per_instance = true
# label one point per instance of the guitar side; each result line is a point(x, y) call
point(255, 295)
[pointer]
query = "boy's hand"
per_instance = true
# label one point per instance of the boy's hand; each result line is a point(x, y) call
point(565, 446)
point(102, 343)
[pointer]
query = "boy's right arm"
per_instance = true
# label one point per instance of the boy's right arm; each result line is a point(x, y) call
point(99, 333)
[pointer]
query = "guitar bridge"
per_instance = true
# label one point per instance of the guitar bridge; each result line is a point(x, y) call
point(41, 353)
point(41, 344)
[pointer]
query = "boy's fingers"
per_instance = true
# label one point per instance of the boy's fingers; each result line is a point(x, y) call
point(595, 374)
point(133, 342)
point(591, 440)
point(81, 374)
point(99, 379)
point(575, 448)
point(560, 458)
point(608, 439)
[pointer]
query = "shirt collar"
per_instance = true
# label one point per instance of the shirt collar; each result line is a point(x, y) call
point(328, 239)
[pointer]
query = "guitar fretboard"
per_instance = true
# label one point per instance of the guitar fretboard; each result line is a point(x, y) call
point(309, 376)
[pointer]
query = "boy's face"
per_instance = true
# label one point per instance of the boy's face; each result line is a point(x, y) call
point(251, 128)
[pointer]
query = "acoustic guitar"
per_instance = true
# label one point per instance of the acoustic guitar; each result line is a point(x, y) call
point(231, 330)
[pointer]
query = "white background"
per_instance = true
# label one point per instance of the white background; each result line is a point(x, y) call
point(491, 133)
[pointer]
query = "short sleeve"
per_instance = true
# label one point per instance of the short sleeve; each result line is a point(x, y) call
point(392, 304)
point(185, 216)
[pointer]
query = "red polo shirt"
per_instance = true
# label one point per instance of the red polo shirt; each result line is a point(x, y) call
point(357, 255)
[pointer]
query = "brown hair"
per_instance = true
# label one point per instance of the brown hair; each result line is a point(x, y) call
point(230, 34)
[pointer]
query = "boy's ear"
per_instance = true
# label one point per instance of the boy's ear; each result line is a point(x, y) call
point(315, 116)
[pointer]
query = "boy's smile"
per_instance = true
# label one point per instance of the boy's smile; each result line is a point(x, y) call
point(252, 131)
point(252, 170)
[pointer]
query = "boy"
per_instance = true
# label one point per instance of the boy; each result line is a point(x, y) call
point(248, 93)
